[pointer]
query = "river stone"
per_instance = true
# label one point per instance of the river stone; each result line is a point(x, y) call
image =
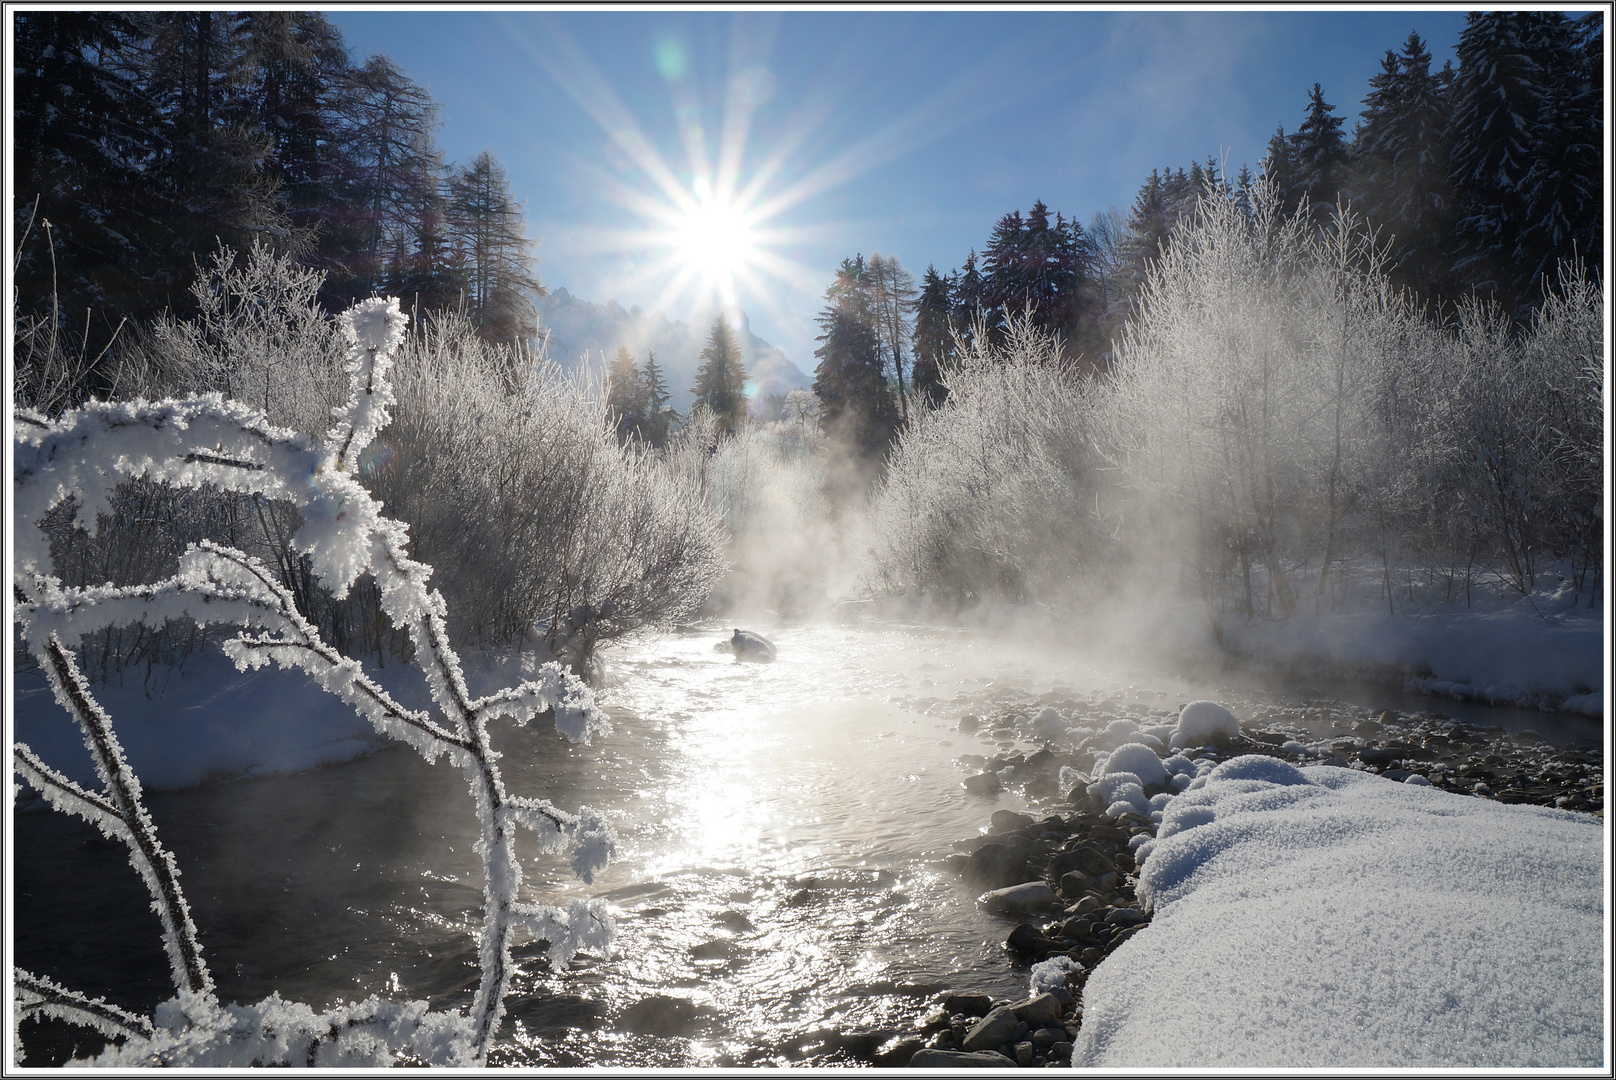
point(753, 647)
point(969, 1004)
point(1094, 862)
point(1075, 883)
point(1031, 896)
point(1045, 1037)
point(1039, 1012)
point(996, 864)
point(955, 1059)
point(1024, 1054)
point(1009, 820)
point(992, 1031)
point(1025, 938)
point(983, 784)
point(1125, 916)
point(1086, 905)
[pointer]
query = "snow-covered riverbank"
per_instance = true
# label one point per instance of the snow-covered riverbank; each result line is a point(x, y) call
point(1545, 651)
point(1273, 910)
point(1327, 918)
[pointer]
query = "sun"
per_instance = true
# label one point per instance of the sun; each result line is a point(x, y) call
point(716, 239)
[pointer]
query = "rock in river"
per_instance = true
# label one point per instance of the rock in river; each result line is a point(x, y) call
point(749, 646)
point(1031, 896)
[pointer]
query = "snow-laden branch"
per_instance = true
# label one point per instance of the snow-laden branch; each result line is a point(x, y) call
point(37, 996)
point(121, 796)
point(80, 458)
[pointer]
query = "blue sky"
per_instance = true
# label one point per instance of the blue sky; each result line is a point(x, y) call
point(905, 132)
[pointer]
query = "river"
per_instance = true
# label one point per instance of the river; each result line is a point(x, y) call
point(777, 892)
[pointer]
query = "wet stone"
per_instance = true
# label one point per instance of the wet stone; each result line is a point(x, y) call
point(969, 1004)
point(983, 784)
point(994, 1029)
point(1039, 1012)
point(954, 1059)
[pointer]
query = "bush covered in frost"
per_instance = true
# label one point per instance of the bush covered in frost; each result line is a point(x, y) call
point(542, 526)
point(995, 493)
point(1280, 423)
point(544, 530)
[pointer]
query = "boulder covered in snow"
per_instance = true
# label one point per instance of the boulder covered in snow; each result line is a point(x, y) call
point(1138, 759)
point(1200, 721)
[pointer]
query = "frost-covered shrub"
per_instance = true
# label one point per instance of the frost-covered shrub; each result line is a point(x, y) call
point(997, 492)
point(259, 336)
point(1285, 419)
point(1520, 467)
point(540, 523)
point(1248, 398)
point(74, 465)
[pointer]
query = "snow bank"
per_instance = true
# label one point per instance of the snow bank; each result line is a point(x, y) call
point(1532, 652)
point(1323, 917)
point(211, 722)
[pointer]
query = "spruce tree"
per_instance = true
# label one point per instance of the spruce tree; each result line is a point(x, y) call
point(1498, 95)
point(625, 395)
point(1319, 154)
point(855, 402)
point(1562, 212)
point(658, 418)
point(1004, 278)
point(1400, 161)
point(969, 300)
point(720, 380)
point(1148, 228)
point(1279, 171)
point(934, 344)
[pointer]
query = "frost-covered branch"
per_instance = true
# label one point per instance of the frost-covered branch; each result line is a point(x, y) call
point(80, 459)
point(37, 996)
point(122, 796)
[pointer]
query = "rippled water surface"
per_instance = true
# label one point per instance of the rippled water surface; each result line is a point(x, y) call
point(779, 824)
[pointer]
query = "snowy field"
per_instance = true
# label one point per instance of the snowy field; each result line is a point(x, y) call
point(1326, 918)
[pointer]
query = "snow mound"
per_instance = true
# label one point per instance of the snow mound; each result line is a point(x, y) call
point(1199, 721)
point(1049, 723)
point(1365, 924)
point(1138, 759)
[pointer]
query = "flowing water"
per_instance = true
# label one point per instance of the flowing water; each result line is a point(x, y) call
point(777, 891)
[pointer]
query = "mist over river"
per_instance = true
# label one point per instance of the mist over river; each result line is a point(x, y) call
point(778, 889)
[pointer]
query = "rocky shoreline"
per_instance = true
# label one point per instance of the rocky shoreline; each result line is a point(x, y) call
point(1067, 874)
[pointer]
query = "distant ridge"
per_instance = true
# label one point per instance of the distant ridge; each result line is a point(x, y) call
point(581, 335)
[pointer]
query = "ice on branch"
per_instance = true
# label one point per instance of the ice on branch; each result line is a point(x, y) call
point(82, 457)
point(374, 328)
